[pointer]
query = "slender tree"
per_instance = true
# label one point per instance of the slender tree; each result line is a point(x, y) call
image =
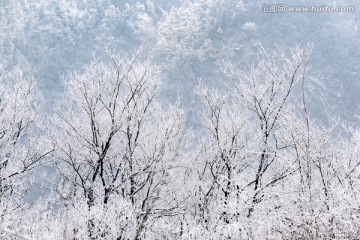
point(20, 148)
point(114, 141)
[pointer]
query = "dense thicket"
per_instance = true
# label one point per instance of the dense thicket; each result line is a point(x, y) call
point(129, 168)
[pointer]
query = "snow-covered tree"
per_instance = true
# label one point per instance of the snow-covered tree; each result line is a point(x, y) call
point(116, 143)
point(265, 168)
point(22, 148)
point(243, 160)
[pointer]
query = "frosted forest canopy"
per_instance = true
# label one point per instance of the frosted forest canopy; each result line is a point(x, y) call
point(178, 120)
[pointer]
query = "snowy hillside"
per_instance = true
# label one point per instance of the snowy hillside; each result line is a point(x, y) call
point(189, 40)
point(170, 119)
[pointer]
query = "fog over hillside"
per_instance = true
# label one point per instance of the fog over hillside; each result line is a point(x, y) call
point(189, 40)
